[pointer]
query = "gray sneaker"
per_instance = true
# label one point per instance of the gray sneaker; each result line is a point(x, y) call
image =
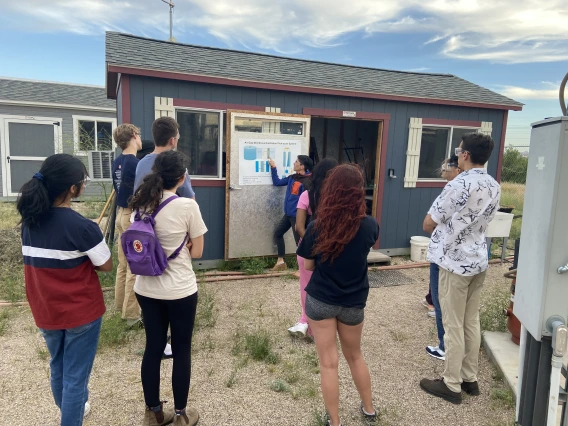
point(371, 419)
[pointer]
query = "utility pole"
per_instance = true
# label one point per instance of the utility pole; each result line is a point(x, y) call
point(172, 5)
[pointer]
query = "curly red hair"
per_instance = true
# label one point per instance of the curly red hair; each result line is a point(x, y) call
point(340, 210)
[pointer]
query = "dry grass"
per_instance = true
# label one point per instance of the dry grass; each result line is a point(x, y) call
point(232, 388)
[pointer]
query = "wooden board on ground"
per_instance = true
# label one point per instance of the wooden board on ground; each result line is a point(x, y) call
point(378, 257)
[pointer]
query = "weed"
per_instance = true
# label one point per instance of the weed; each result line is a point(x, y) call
point(398, 336)
point(206, 316)
point(108, 279)
point(254, 265)
point(493, 303)
point(279, 386)
point(43, 354)
point(291, 262)
point(503, 398)
point(259, 347)
point(210, 372)
point(5, 316)
point(312, 359)
point(114, 331)
point(9, 216)
point(12, 287)
point(232, 380)
point(291, 373)
point(229, 265)
point(319, 418)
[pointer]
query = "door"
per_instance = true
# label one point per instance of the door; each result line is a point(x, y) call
point(26, 144)
point(253, 204)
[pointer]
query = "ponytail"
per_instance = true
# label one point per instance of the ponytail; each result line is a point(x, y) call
point(57, 175)
point(167, 170)
point(148, 195)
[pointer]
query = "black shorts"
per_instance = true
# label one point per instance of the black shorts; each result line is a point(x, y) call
point(317, 311)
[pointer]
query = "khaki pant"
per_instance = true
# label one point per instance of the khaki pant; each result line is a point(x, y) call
point(124, 297)
point(459, 300)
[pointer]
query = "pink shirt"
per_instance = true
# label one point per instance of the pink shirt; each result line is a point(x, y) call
point(304, 202)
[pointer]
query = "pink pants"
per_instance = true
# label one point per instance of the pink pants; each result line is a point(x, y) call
point(304, 280)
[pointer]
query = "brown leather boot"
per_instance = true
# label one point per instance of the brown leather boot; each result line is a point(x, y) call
point(189, 417)
point(158, 418)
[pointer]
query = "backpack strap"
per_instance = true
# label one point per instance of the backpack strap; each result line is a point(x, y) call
point(163, 204)
point(176, 253)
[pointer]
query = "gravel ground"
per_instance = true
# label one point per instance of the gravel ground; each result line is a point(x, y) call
point(397, 330)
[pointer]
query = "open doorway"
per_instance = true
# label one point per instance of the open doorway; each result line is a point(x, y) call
point(350, 141)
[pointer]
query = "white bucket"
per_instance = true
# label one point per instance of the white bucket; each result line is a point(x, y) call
point(419, 248)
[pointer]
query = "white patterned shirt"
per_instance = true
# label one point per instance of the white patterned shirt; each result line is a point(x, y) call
point(462, 212)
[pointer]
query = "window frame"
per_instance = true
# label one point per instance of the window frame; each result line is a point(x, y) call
point(85, 154)
point(222, 115)
point(448, 146)
point(76, 119)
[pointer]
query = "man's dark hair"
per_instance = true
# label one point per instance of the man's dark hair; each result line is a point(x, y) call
point(163, 129)
point(306, 162)
point(479, 146)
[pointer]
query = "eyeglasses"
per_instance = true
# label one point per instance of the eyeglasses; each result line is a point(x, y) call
point(459, 150)
point(86, 181)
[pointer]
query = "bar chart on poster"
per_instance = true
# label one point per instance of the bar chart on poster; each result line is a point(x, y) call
point(254, 154)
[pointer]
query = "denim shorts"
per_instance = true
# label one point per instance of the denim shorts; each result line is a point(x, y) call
point(317, 311)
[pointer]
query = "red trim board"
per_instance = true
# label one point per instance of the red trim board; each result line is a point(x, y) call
point(125, 85)
point(440, 122)
point(431, 184)
point(207, 182)
point(502, 146)
point(190, 103)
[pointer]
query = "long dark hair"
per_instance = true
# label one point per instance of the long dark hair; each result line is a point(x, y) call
point(340, 210)
point(57, 175)
point(167, 170)
point(318, 176)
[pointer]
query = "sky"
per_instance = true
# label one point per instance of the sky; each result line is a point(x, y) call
point(515, 47)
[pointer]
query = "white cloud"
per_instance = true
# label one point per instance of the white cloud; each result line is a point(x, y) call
point(508, 31)
point(525, 93)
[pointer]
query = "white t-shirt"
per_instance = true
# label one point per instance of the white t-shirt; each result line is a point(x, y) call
point(463, 211)
point(173, 222)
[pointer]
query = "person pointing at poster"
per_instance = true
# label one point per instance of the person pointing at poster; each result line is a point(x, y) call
point(296, 184)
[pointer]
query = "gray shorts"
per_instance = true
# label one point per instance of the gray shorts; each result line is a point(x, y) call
point(317, 311)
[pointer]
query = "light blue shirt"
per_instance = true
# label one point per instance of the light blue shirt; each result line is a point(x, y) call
point(144, 168)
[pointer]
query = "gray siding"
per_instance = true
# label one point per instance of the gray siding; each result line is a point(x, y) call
point(403, 209)
point(93, 190)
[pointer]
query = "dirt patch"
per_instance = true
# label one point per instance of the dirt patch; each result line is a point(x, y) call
point(229, 389)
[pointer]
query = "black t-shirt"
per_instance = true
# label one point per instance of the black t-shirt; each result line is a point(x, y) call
point(343, 282)
point(123, 174)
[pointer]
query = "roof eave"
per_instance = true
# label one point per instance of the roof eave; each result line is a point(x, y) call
point(114, 69)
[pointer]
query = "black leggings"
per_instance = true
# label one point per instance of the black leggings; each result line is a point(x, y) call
point(283, 226)
point(179, 315)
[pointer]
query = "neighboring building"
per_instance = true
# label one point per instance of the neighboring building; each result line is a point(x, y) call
point(399, 125)
point(39, 118)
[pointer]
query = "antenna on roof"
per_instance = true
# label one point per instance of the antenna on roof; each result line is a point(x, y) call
point(172, 5)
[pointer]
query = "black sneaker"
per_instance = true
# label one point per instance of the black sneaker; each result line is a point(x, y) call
point(471, 388)
point(438, 388)
point(371, 419)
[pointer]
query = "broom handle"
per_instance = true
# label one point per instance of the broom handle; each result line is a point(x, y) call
point(106, 207)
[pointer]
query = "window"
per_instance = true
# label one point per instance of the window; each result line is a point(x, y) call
point(93, 140)
point(201, 139)
point(437, 144)
point(257, 125)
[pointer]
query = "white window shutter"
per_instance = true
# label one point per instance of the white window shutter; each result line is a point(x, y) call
point(413, 152)
point(164, 107)
point(486, 128)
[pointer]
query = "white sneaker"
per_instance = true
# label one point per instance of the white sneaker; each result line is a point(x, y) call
point(436, 352)
point(299, 330)
point(431, 314)
point(168, 352)
point(87, 409)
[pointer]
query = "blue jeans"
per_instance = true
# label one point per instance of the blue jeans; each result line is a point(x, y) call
point(434, 278)
point(72, 355)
